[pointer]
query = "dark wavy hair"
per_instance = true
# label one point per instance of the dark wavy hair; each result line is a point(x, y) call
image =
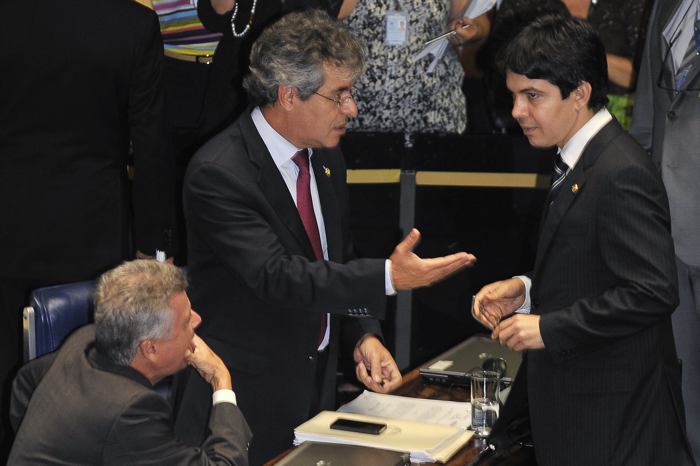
point(562, 50)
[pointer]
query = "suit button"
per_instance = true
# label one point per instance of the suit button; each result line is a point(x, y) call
point(671, 115)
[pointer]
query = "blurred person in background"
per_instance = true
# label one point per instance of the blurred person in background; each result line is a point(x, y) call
point(74, 97)
point(397, 93)
point(666, 122)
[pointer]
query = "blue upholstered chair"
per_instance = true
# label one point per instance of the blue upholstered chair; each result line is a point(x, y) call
point(53, 313)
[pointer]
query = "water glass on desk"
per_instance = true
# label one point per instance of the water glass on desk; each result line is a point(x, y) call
point(485, 388)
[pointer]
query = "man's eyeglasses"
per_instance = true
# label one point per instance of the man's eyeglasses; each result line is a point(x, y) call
point(343, 98)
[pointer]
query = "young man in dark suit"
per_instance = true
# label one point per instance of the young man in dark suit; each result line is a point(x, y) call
point(600, 374)
point(93, 402)
point(270, 254)
point(80, 84)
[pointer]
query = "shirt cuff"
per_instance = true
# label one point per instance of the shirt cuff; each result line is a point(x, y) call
point(525, 306)
point(388, 286)
point(224, 395)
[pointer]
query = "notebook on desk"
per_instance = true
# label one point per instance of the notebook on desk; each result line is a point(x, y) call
point(329, 454)
point(477, 352)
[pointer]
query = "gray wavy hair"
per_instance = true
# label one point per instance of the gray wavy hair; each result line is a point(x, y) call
point(293, 50)
point(131, 305)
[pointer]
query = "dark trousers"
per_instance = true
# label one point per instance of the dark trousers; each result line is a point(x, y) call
point(185, 85)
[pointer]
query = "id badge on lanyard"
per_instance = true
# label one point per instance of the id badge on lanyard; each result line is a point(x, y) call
point(396, 28)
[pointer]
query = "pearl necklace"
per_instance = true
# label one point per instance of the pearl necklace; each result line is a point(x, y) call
point(247, 26)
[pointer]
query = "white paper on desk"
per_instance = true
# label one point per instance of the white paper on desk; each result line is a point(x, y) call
point(425, 442)
point(437, 49)
point(446, 413)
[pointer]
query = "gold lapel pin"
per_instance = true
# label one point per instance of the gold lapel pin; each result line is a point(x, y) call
point(574, 188)
point(327, 171)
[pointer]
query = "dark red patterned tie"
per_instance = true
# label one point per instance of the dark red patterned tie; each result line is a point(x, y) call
point(306, 211)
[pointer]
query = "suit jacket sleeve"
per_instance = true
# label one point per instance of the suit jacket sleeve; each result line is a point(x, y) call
point(144, 434)
point(635, 244)
point(229, 210)
point(643, 112)
point(26, 381)
point(153, 184)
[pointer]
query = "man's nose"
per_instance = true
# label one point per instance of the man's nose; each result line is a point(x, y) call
point(349, 108)
point(519, 110)
point(196, 319)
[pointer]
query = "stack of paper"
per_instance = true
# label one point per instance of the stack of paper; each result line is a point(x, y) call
point(431, 430)
point(446, 413)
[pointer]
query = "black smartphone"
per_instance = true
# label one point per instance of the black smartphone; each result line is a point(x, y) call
point(362, 427)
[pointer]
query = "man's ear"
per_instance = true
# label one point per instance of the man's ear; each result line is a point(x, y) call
point(148, 349)
point(285, 96)
point(582, 94)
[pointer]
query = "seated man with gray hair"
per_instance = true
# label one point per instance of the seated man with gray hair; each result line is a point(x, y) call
point(93, 402)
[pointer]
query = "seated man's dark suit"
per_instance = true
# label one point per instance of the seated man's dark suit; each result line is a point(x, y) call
point(259, 289)
point(606, 388)
point(74, 407)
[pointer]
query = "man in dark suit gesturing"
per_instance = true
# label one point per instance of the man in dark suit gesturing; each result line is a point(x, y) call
point(600, 371)
point(80, 82)
point(93, 402)
point(270, 255)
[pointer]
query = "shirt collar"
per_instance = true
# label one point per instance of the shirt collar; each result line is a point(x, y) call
point(574, 147)
point(102, 362)
point(280, 149)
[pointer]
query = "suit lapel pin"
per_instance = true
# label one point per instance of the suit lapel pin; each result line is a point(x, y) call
point(574, 188)
point(327, 171)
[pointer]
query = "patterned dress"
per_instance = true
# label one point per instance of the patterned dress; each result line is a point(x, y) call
point(396, 93)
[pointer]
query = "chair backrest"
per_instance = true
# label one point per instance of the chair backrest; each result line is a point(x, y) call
point(53, 313)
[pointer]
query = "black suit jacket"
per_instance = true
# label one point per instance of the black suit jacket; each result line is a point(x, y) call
point(79, 81)
point(606, 388)
point(257, 285)
point(74, 407)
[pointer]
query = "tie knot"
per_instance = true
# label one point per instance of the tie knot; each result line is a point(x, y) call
point(559, 172)
point(559, 165)
point(301, 158)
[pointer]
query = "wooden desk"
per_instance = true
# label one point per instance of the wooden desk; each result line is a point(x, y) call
point(413, 386)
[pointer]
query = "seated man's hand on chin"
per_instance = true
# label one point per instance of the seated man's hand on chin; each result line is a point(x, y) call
point(208, 364)
point(376, 368)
